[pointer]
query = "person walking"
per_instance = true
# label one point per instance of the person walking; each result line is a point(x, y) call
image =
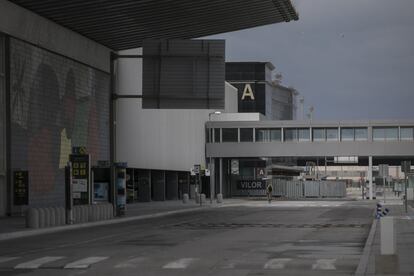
point(269, 190)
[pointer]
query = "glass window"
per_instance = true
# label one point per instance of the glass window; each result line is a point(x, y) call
point(332, 134)
point(347, 134)
point(290, 134)
point(318, 134)
point(268, 134)
point(378, 134)
point(246, 135)
point(217, 135)
point(229, 135)
point(304, 134)
point(275, 134)
point(361, 134)
point(391, 133)
point(407, 133)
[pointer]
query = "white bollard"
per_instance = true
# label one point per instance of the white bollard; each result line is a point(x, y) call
point(203, 198)
point(219, 198)
point(388, 239)
point(185, 198)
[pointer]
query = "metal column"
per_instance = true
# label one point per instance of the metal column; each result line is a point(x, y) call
point(370, 177)
point(221, 176)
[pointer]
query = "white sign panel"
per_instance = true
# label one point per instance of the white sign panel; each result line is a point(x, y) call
point(80, 185)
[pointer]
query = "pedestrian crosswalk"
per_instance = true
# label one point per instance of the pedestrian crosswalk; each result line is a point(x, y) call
point(21, 263)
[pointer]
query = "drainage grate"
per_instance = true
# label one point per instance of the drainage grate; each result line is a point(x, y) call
point(263, 225)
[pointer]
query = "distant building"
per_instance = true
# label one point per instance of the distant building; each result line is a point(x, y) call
point(258, 92)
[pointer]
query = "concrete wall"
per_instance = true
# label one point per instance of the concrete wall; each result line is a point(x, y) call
point(158, 138)
point(26, 25)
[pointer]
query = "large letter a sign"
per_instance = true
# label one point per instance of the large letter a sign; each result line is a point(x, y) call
point(247, 92)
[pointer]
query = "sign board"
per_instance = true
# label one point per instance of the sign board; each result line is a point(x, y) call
point(207, 172)
point(260, 172)
point(80, 177)
point(21, 187)
point(79, 150)
point(197, 169)
point(183, 74)
point(251, 185)
point(406, 166)
point(383, 170)
point(235, 166)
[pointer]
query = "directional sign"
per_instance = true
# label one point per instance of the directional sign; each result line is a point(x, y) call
point(406, 166)
point(383, 170)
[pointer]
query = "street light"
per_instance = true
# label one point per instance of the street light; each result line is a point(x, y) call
point(210, 137)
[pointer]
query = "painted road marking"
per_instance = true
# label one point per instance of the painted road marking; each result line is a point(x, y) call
point(37, 262)
point(7, 259)
point(277, 263)
point(180, 263)
point(324, 264)
point(132, 263)
point(85, 263)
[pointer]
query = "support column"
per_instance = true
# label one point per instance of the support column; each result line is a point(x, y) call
point(221, 176)
point(212, 179)
point(370, 177)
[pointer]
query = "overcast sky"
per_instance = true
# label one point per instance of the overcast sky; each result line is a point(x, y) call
point(350, 59)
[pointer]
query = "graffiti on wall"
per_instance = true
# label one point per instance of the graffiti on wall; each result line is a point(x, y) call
point(56, 104)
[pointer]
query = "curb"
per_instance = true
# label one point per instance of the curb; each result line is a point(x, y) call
point(363, 262)
point(29, 233)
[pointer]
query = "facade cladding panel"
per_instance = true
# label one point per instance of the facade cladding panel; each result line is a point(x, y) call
point(183, 74)
point(56, 104)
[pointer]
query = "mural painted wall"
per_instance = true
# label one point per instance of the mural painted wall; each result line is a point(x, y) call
point(56, 104)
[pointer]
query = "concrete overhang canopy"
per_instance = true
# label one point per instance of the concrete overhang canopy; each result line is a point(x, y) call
point(124, 24)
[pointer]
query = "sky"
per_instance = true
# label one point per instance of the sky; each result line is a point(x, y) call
point(349, 59)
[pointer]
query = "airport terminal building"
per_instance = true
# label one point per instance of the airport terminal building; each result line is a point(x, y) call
point(74, 80)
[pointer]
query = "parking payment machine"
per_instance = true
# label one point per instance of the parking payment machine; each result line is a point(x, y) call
point(120, 187)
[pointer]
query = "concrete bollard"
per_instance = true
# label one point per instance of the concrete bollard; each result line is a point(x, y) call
point(47, 217)
point(111, 211)
point(41, 218)
point(388, 239)
point(32, 218)
point(83, 214)
point(99, 212)
point(219, 198)
point(52, 217)
point(77, 214)
point(61, 218)
point(90, 213)
point(185, 198)
point(197, 197)
point(203, 198)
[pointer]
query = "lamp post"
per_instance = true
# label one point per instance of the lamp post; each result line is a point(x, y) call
point(210, 135)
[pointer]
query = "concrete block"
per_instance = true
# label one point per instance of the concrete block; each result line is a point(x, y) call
point(388, 237)
point(185, 198)
point(203, 198)
point(32, 218)
point(219, 198)
point(41, 218)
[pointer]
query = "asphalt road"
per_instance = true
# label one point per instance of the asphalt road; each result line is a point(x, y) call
point(322, 238)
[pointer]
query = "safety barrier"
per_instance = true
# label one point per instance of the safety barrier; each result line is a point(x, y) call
point(56, 216)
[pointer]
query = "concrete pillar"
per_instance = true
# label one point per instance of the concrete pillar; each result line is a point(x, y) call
point(212, 179)
point(370, 177)
point(221, 177)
